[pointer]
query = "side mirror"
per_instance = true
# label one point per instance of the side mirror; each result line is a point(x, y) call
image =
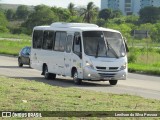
point(125, 42)
point(127, 49)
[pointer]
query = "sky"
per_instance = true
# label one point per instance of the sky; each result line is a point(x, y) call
point(58, 3)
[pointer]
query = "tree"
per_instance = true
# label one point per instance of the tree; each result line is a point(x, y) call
point(10, 14)
point(71, 8)
point(109, 14)
point(106, 14)
point(22, 12)
point(100, 22)
point(1, 10)
point(149, 14)
point(156, 34)
point(125, 29)
point(43, 15)
point(116, 13)
point(3, 23)
point(131, 19)
point(61, 13)
point(89, 13)
point(75, 18)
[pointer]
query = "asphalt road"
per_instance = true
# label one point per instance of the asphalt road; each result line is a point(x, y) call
point(136, 84)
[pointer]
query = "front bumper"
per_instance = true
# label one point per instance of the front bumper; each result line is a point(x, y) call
point(92, 74)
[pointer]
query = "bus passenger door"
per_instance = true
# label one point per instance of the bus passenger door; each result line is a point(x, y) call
point(77, 54)
point(68, 55)
point(59, 48)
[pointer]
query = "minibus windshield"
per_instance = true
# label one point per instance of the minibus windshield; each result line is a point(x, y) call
point(103, 44)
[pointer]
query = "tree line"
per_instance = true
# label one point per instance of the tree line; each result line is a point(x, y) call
point(148, 19)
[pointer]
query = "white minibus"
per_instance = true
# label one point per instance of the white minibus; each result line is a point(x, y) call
point(80, 50)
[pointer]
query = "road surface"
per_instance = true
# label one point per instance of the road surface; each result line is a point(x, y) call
point(136, 84)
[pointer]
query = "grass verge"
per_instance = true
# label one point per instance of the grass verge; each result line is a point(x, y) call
point(144, 60)
point(144, 68)
point(24, 95)
point(15, 36)
point(13, 47)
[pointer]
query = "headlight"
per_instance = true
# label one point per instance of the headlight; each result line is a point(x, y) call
point(123, 66)
point(89, 65)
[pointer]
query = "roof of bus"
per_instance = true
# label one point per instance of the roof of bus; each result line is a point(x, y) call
point(73, 27)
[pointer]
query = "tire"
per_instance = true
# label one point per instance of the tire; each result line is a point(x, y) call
point(20, 64)
point(53, 76)
point(76, 80)
point(113, 82)
point(48, 75)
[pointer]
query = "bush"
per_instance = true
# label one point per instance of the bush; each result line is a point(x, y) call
point(132, 58)
point(3, 29)
point(156, 64)
point(3, 23)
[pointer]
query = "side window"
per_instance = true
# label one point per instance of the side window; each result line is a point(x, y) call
point(60, 40)
point(69, 43)
point(57, 39)
point(37, 39)
point(77, 44)
point(48, 39)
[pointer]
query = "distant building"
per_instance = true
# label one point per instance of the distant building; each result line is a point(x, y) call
point(128, 7)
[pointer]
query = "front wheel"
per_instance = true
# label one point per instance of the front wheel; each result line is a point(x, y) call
point(76, 80)
point(113, 82)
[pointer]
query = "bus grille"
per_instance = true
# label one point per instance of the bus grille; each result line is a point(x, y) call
point(110, 69)
point(107, 74)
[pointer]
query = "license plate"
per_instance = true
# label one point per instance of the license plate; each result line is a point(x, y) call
point(107, 78)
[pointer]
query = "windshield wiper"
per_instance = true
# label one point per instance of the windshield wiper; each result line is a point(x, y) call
point(112, 50)
point(97, 50)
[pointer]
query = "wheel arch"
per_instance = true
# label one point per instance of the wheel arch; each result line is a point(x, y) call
point(43, 66)
point(72, 70)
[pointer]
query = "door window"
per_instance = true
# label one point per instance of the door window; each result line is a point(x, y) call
point(77, 45)
point(69, 43)
point(48, 39)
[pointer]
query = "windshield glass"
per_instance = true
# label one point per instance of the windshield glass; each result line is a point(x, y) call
point(103, 44)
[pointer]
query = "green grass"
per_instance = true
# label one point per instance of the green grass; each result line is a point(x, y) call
point(144, 60)
point(25, 95)
point(144, 68)
point(15, 36)
point(13, 47)
point(43, 97)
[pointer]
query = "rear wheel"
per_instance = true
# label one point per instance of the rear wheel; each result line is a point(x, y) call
point(20, 64)
point(76, 80)
point(53, 76)
point(48, 75)
point(113, 82)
